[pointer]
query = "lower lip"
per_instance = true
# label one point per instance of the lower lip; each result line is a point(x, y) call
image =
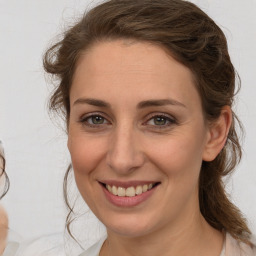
point(126, 201)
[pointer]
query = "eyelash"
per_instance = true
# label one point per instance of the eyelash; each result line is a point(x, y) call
point(166, 118)
point(84, 120)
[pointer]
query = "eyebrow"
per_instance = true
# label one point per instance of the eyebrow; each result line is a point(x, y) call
point(160, 102)
point(93, 102)
point(143, 104)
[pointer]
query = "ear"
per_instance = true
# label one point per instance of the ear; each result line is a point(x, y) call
point(217, 134)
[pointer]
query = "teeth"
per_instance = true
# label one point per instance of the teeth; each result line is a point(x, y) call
point(129, 192)
point(144, 188)
point(121, 191)
point(114, 190)
point(138, 190)
point(109, 188)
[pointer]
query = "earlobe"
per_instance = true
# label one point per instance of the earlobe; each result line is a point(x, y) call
point(217, 134)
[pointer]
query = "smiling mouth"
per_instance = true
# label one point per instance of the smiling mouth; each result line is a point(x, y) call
point(130, 191)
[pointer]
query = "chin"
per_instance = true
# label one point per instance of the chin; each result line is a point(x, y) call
point(129, 227)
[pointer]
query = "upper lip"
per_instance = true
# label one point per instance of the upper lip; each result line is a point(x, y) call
point(127, 184)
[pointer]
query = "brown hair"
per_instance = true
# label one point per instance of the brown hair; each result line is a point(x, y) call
point(193, 39)
point(3, 173)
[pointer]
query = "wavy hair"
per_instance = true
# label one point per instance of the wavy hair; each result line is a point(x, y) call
point(193, 39)
point(3, 174)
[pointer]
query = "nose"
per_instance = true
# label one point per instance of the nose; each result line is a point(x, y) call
point(125, 153)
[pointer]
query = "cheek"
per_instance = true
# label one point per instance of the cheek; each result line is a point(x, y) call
point(178, 157)
point(86, 153)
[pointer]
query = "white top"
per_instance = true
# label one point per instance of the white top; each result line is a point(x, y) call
point(231, 247)
point(94, 250)
point(50, 246)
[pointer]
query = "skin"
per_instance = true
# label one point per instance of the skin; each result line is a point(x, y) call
point(129, 145)
point(3, 229)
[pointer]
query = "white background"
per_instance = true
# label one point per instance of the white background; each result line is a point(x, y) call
point(35, 148)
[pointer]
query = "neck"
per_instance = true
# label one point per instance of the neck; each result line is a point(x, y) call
point(194, 238)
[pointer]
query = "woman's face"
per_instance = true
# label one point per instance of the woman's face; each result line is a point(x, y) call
point(136, 122)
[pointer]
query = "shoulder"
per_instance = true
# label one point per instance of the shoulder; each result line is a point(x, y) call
point(94, 250)
point(238, 248)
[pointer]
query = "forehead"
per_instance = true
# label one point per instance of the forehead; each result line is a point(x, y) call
point(139, 68)
point(134, 55)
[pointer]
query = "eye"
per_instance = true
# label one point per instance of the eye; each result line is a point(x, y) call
point(94, 120)
point(161, 120)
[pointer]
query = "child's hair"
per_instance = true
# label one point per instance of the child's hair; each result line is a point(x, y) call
point(3, 174)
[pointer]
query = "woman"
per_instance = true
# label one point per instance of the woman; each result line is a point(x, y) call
point(147, 89)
